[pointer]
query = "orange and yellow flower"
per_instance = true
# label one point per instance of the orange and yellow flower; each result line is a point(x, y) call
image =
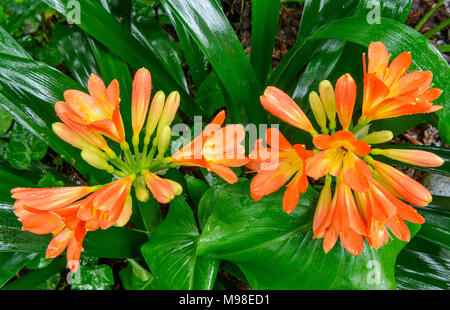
point(216, 149)
point(276, 166)
point(389, 91)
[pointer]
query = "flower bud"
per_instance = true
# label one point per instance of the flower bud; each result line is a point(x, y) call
point(177, 188)
point(345, 94)
point(70, 136)
point(329, 102)
point(142, 87)
point(160, 188)
point(154, 115)
point(169, 111)
point(377, 137)
point(412, 157)
point(96, 158)
point(318, 110)
point(126, 212)
point(164, 140)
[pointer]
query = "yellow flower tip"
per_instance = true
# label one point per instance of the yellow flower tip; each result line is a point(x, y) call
point(135, 140)
point(142, 194)
point(110, 153)
point(124, 146)
point(96, 158)
point(177, 188)
point(318, 109)
point(328, 99)
point(164, 139)
point(378, 137)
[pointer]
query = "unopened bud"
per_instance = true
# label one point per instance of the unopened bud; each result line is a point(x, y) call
point(377, 137)
point(169, 111)
point(96, 158)
point(329, 101)
point(318, 110)
point(164, 140)
point(154, 115)
point(70, 136)
point(177, 188)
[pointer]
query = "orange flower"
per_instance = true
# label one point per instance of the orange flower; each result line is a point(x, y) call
point(161, 189)
point(340, 152)
point(380, 208)
point(282, 106)
point(98, 112)
point(142, 88)
point(216, 149)
point(345, 93)
point(104, 207)
point(341, 219)
point(62, 222)
point(389, 92)
point(276, 165)
point(405, 187)
point(412, 157)
point(45, 199)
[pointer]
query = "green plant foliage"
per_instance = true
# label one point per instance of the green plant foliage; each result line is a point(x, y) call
point(92, 278)
point(171, 252)
point(261, 236)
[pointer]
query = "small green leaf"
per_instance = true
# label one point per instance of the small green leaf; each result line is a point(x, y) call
point(209, 95)
point(5, 122)
point(93, 278)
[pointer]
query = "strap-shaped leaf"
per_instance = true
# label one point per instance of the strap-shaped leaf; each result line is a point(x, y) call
point(260, 236)
point(210, 29)
point(171, 252)
point(12, 263)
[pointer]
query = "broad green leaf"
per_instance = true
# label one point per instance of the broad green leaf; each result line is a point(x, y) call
point(209, 95)
point(264, 29)
point(395, 9)
point(43, 279)
point(196, 188)
point(171, 252)
point(261, 236)
point(210, 29)
point(136, 277)
point(24, 147)
point(150, 212)
point(11, 46)
point(5, 122)
point(398, 38)
point(102, 26)
point(12, 263)
point(93, 278)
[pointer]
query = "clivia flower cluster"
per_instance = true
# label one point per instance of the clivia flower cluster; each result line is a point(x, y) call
point(70, 212)
point(369, 195)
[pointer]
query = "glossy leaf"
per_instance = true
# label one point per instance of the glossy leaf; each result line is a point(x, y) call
point(12, 263)
point(92, 278)
point(170, 253)
point(42, 279)
point(261, 236)
point(136, 277)
point(210, 29)
point(209, 95)
point(5, 122)
point(264, 29)
point(196, 188)
point(395, 9)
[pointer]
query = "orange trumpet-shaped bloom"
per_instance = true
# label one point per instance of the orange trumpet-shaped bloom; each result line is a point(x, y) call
point(104, 207)
point(345, 93)
point(276, 165)
point(405, 187)
point(413, 157)
point(380, 208)
point(98, 111)
point(161, 189)
point(341, 219)
point(45, 199)
point(389, 92)
point(62, 222)
point(339, 153)
point(142, 88)
point(282, 106)
point(216, 149)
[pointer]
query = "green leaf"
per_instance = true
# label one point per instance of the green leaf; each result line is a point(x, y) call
point(395, 9)
point(171, 252)
point(12, 263)
point(150, 213)
point(196, 60)
point(93, 278)
point(261, 236)
point(136, 277)
point(196, 188)
point(209, 95)
point(24, 147)
point(43, 279)
point(5, 122)
point(398, 38)
point(74, 47)
point(264, 30)
point(210, 29)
